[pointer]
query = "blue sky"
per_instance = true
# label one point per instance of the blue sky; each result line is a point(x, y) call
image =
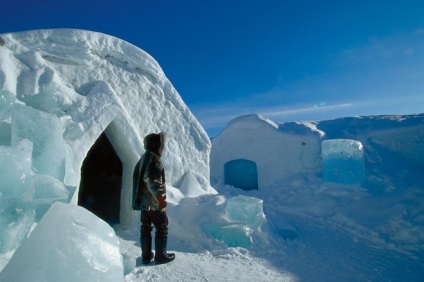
point(287, 60)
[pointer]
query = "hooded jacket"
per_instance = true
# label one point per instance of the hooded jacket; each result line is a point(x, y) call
point(149, 185)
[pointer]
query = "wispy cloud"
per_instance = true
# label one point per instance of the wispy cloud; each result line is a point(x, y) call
point(220, 115)
point(382, 76)
point(419, 31)
point(309, 109)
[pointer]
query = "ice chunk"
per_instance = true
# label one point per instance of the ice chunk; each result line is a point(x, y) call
point(5, 134)
point(16, 192)
point(6, 101)
point(47, 191)
point(16, 220)
point(46, 132)
point(47, 187)
point(343, 161)
point(244, 215)
point(15, 169)
point(232, 234)
point(245, 209)
point(68, 244)
point(129, 263)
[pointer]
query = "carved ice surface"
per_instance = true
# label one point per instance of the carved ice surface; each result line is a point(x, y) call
point(244, 215)
point(47, 191)
point(6, 101)
point(233, 235)
point(46, 133)
point(16, 192)
point(343, 161)
point(247, 210)
point(68, 244)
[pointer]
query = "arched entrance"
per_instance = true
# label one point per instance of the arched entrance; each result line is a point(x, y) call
point(101, 181)
point(242, 174)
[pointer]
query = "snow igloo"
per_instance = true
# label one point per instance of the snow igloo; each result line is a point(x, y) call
point(75, 106)
point(253, 152)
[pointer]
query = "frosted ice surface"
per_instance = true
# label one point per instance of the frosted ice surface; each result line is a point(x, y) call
point(47, 191)
point(6, 101)
point(68, 244)
point(5, 134)
point(232, 234)
point(343, 161)
point(46, 132)
point(245, 209)
point(129, 263)
point(16, 222)
point(244, 214)
point(16, 191)
point(15, 169)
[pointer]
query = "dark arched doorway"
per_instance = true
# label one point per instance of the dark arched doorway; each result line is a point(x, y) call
point(101, 181)
point(242, 174)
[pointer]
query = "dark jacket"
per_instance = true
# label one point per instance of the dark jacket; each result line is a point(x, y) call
point(149, 185)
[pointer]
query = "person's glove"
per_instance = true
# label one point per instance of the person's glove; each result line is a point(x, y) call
point(162, 202)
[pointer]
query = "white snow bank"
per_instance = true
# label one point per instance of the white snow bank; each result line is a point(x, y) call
point(195, 185)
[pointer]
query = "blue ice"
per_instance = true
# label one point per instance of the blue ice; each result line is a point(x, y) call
point(16, 191)
point(46, 133)
point(242, 174)
point(244, 215)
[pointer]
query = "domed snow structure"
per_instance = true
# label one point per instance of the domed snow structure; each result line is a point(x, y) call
point(253, 152)
point(75, 106)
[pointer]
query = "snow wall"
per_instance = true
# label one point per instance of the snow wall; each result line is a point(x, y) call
point(282, 150)
point(62, 88)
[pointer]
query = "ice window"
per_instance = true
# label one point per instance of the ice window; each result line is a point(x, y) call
point(242, 174)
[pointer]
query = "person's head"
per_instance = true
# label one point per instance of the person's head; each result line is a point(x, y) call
point(155, 142)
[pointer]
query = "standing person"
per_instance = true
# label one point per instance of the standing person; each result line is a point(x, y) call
point(149, 196)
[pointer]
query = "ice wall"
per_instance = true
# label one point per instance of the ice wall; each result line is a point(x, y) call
point(68, 244)
point(16, 190)
point(24, 195)
point(45, 131)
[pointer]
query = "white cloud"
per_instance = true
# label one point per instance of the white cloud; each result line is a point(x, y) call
point(309, 109)
point(419, 31)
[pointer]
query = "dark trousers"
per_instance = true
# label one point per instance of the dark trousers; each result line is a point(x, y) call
point(159, 220)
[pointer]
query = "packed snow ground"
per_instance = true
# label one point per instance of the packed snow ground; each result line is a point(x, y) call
point(328, 245)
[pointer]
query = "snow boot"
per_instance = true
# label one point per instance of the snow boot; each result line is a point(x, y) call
point(161, 255)
point(146, 250)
